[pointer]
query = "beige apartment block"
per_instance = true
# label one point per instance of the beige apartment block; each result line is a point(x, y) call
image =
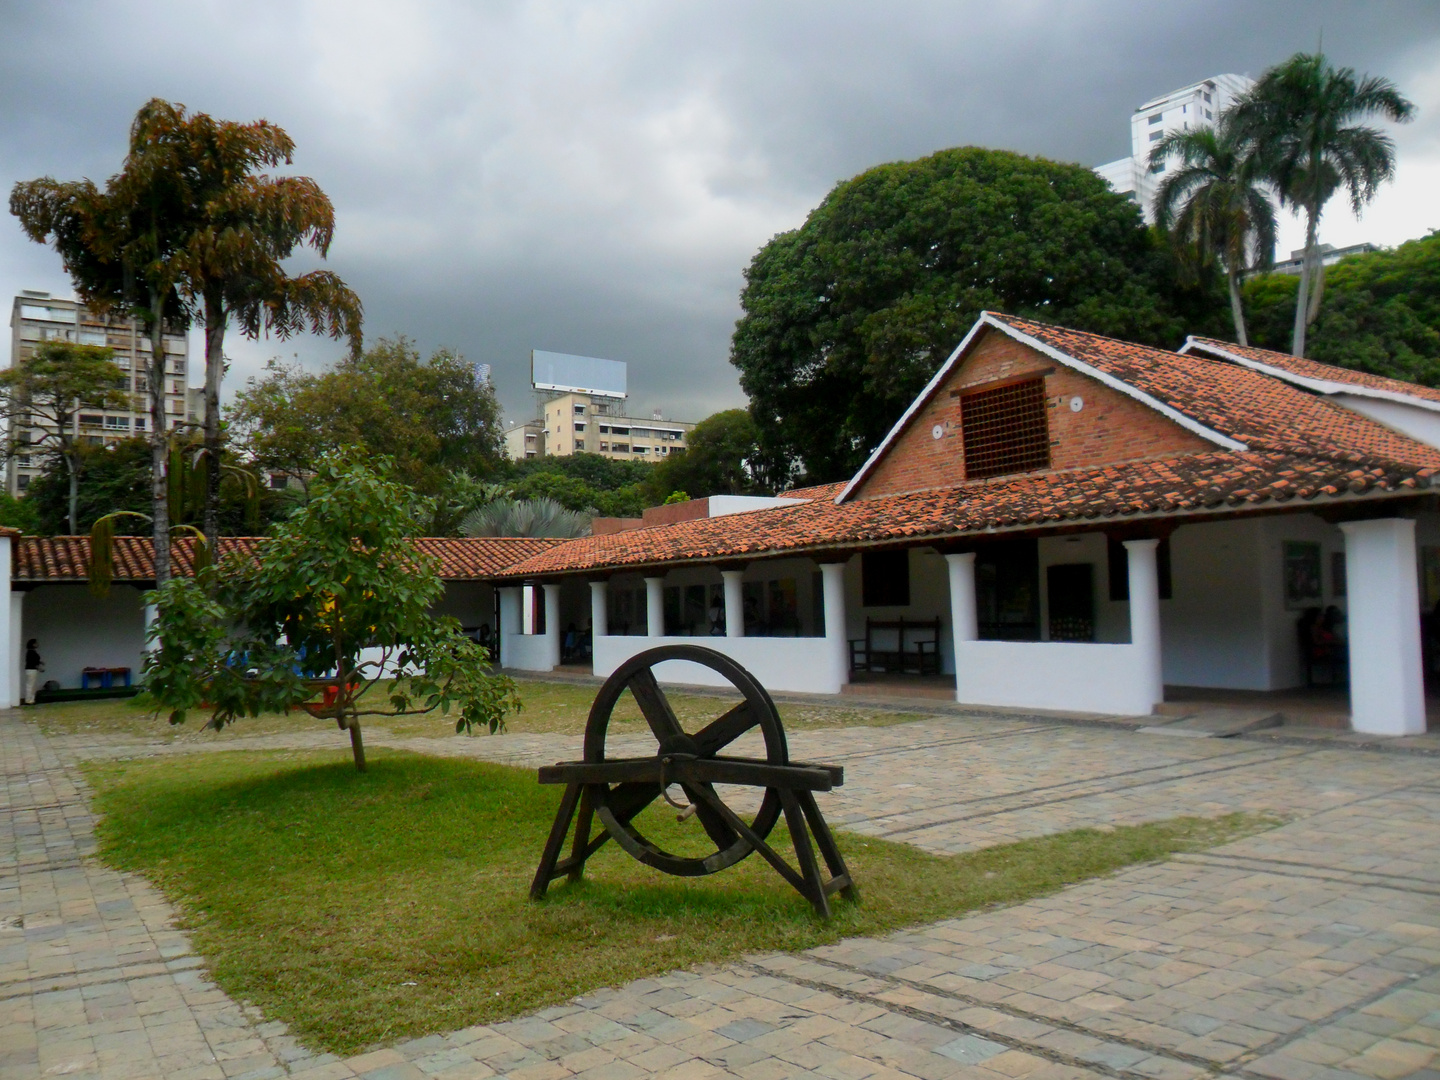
point(584, 423)
point(37, 317)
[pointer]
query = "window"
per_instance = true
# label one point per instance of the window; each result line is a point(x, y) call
point(604, 429)
point(1157, 117)
point(278, 483)
point(639, 449)
point(1207, 99)
point(1005, 430)
point(579, 410)
point(620, 447)
point(621, 430)
point(579, 445)
point(1157, 168)
point(22, 482)
point(604, 447)
point(119, 423)
point(91, 419)
point(1156, 136)
point(885, 579)
point(1209, 115)
point(139, 423)
point(579, 425)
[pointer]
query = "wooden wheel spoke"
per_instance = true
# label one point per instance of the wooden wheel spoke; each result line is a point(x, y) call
point(721, 732)
point(716, 827)
point(654, 705)
point(627, 800)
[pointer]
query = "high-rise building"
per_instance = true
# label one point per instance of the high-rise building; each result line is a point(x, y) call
point(581, 406)
point(37, 317)
point(1193, 106)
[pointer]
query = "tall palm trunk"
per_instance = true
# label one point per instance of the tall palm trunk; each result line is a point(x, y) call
point(215, 319)
point(1237, 309)
point(1302, 298)
point(73, 467)
point(159, 442)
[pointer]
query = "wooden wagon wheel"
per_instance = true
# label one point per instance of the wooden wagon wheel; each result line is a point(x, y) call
point(617, 789)
point(618, 805)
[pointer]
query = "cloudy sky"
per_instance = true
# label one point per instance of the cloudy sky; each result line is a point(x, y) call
point(594, 177)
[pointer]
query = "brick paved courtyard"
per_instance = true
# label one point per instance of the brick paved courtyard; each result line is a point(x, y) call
point(1312, 950)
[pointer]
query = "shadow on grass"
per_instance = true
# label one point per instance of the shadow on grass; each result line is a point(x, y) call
point(361, 909)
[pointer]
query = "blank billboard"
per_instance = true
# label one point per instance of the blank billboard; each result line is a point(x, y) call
point(577, 374)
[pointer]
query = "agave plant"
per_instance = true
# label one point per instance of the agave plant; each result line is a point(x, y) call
point(525, 517)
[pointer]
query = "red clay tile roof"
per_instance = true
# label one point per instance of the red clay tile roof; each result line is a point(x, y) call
point(1310, 369)
point(1259, 410)
point(1218, 482)
point(67, 558)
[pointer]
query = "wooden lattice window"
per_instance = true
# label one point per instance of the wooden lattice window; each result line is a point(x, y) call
point(1005, 429)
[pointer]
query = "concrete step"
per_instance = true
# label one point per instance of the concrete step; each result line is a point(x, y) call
point(1217, 723)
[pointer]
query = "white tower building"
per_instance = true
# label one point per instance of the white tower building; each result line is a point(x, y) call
point(1196, 105)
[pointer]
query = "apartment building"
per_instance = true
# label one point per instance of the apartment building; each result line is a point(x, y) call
point(1193, 106)
point(581, 410)
point(37, 317)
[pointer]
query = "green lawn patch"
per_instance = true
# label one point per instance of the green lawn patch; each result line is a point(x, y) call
point(365, 908)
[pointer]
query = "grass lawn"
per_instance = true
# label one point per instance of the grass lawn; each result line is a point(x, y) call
point(361, 909)
point(549, 706)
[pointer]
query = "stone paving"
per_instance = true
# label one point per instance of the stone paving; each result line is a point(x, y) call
point(1312, 950)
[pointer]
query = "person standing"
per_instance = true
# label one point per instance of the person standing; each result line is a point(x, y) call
point(33, 666)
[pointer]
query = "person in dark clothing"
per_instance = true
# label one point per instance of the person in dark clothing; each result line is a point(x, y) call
point(33, 666)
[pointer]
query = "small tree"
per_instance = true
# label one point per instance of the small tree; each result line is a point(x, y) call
point(334, 602)
point(43, 395)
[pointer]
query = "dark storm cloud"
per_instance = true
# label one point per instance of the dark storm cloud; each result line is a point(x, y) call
point(594, 178)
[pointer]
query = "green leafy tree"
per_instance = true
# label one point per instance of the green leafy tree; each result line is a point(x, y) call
point(1303, 116)
point(847, 317)
point(717, 460)
point(18, 514)
point(1215, 206)
point(432, 417)
point(42, 395)
point(1381, 315)
point(291, 626)
point(588, 483)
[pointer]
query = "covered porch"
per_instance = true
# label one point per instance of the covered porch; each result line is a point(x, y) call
point(1097, 621)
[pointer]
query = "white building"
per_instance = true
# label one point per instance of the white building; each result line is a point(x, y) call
point(1196, 105)
point(37, 317)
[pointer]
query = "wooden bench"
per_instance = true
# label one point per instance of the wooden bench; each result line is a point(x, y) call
point(909, 646)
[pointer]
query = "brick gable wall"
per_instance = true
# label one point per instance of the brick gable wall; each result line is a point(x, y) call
point(1110, 428)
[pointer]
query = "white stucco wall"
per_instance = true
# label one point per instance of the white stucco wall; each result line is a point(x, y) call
point(797, 664)
point(1070, 676)
point(76, 630)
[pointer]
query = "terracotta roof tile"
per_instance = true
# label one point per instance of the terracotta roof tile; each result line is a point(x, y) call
point(1259, 410)
point(67, 558)
point(1223, 481)
point(1313, 369)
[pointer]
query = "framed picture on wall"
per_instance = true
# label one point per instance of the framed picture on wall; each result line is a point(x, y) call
point(1303, 586)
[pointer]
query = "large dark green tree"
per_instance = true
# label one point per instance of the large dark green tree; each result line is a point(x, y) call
point(1304, 116)
point(1215, 206)
point(846, 317)
point(1381, 315)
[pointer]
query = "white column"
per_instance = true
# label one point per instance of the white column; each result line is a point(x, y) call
point(655, 607)
point(10, 643)
point(17, 647)
point(837, 642)
point(1144, 578)
point(964, 623)
point(1387, 686)
point(552, 624)
point(599, 609)
point(510, 624)
point(734, 602)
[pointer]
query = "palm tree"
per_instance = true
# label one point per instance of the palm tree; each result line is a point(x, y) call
point(1302, 116)
point(525, 517)
point(1214, 206)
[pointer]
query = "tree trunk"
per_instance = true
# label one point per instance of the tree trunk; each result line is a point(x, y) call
point(357, 744)
point(1237, 310)
point(73, 467)
point(1302, 298)
point(215, 320)
point(159, 444)
point(1317, 289)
